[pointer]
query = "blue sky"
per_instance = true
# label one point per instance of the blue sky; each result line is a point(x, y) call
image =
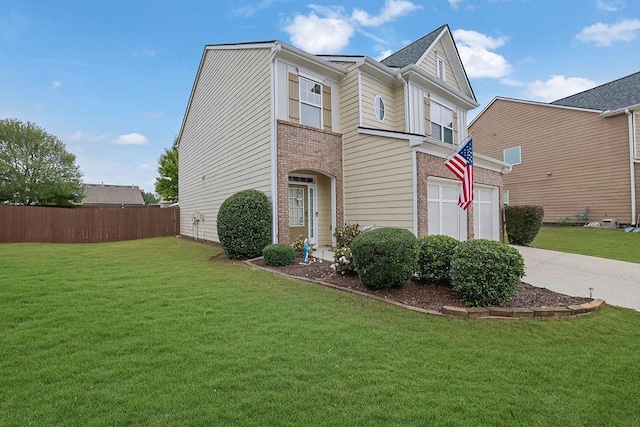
point(112, 79)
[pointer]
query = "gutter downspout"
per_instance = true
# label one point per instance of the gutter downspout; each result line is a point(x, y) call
point(274, 146)
point(414, 156)
point(632, 166)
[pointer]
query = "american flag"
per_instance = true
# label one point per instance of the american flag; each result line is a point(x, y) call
point(461, 164)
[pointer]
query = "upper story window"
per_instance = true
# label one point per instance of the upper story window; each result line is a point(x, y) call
point(310, 103)
point(441, 70)
point(441, 123)
point(512, 156)
point(378, 108)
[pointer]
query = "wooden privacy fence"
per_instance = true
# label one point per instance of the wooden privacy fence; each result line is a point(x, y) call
point(86, 224)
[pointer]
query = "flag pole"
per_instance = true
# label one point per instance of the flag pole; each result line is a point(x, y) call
point(457, 147)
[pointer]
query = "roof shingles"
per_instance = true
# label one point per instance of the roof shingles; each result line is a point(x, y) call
point(614, 95)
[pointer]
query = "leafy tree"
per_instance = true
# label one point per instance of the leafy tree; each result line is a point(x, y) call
point(35, 167)
point(149, 198)
point(167, 182)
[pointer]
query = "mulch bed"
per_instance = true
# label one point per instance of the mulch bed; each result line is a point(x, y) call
point(421, 295)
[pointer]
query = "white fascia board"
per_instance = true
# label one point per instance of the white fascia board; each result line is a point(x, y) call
point(313, 62)
point(412, 138)
point(618, 111)
point(431, 84)
point(292, 54)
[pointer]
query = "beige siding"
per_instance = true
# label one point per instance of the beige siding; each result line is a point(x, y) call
point(428, 64)
point(324, 210)
point(570, 159)
point(378, 181)
point(636, 122)
point(370, 89)
point(226, 140)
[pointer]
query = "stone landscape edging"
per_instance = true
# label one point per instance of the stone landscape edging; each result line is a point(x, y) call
point(505, 313)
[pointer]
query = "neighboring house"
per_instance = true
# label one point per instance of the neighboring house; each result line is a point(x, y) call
point(334, 139)
point(112, 195)
point(577, 152)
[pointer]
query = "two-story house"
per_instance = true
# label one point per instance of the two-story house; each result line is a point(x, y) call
point(577, 152)
point(334, 139)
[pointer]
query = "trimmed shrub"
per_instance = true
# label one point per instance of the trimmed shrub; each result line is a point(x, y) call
point(523, 223)
point(434, 259)
point(385, 257)
point(244, 224)
point(279, 254)
point(485, 272)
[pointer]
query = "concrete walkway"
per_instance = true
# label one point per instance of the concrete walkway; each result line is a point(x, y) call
point(616, 282)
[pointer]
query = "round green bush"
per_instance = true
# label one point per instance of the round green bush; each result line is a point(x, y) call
point(434, 259)
point(279, 254)
point(244, 224)
point(485, 272)
point(385, 257)
point(523, 223)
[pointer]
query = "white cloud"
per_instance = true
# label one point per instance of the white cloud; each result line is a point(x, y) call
point(383, 55)
point(475, 52)
point(328, 29)
point(329, 33)
point(610, 6)
point(455, 4)
point(391, 10)
point(80, 136)
point(604, 34)
point(131, 139)
point(558, 87)
point(55, 84)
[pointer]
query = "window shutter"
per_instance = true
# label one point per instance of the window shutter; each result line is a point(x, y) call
point(427, 116)
point(294, 98)
point(326, 107)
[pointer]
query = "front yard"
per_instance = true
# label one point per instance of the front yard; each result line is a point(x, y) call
point(154, 332)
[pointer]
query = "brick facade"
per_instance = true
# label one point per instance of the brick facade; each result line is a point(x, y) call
point(304, 148)
point(432, 166)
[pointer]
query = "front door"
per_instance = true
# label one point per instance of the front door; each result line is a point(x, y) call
point(302, 212)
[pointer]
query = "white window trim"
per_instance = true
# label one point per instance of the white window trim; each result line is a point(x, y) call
point(505, 197)
point(375, 108)
point(452, 109)
point(504, 154)
point(300, 77)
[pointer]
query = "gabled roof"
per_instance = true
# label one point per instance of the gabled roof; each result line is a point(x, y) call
point(100, 194)
point(412, 53)
point(614, 95)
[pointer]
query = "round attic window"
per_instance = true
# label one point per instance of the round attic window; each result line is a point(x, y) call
point(378, 107)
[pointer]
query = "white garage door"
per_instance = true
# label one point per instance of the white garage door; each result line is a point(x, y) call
point(444, 214)
point(486, 213)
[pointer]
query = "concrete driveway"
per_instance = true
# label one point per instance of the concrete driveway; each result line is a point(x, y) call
point(616, 282)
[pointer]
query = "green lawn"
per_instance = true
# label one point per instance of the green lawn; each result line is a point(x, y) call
point(604, 243)
point(152, 332)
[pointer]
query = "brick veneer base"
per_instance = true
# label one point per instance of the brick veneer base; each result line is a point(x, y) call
point(306, 148)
